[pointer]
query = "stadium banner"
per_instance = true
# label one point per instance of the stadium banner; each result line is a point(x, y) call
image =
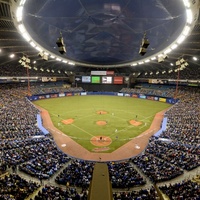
point(96, 79)
point(54, 95)
point(120, 94)
point(157, 81)
point(162, 100)
point(110, 72)
point(86, 79)
point(134, 95)
point(33, 98)
point(106, 79)
point(42, 97)
point(156, 98)
point(150, 98)
point(69, 94)
point(141, 96)
point(172, 101)
point(118, 80)
point(61, 94)
point(47, 79)
point(77, 94)
point(100, 73)
point(83, 93)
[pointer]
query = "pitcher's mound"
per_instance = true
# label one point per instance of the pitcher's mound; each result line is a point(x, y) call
point(101, 112)
point(101, 123)
point(101, 141)
point(67, 121)
point(135, 123)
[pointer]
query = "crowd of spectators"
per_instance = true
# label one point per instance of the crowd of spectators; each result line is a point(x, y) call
point(48, 161)
point(23, 145)
point(14, 187)
point(57, 193)
point(183, 119)
point(50, 90)
point(78, 173)
point(148, 91)
point(181, 191)
point(156, 169)
point(169, 153)
point(142, 194)
point(123, 175)
point(17, 115)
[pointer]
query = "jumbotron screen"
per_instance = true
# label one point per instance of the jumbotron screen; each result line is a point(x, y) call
point(86, 79)
point(118, 80)
point(107, 79)
point(96, 79)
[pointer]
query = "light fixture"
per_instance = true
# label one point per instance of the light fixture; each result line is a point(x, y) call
point(144, 44)
point(181, 64)
point(162, 58)
point(12, 55)
point(25, 62)
point(60, 44)
point(195, 58)
point(43, 56)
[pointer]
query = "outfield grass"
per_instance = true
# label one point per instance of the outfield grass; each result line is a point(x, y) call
point(120, 110)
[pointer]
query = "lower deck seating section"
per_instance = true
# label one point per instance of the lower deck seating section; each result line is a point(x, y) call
point(123, 175)
point(185, 190)
point(183, 119)
point(13, 187)
point(45, 164)
point(156, 169)
point(143, 194)
point(17, 116)
point(169, 153)
point(52, 192)
point(78, 173)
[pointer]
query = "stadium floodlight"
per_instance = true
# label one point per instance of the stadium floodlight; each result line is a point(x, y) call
point(144, 44)
point(60, 44)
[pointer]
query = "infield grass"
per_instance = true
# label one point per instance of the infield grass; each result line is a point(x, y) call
point(120, 110)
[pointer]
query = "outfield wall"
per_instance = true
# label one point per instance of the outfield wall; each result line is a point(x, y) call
point(132, 95)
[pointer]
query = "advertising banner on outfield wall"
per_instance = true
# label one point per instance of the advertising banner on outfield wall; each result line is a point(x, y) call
point(83, 93)
point(142, 96)
point(134, 95)
point(61, 94)
point(120, 94)
point(42, 97)
point(162, 100)
point(150, 98)
point(77, 94)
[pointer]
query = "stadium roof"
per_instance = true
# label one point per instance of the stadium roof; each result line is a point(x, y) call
point(105, 34)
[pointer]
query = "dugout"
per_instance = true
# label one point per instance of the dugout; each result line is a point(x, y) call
point(100, 186)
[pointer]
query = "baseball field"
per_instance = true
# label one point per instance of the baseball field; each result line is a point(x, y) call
point(101, 123)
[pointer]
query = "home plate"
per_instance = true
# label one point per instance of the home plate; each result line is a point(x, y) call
point(63, 145)
point(137, 147)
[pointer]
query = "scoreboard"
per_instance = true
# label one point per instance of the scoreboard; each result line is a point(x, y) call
point(101, 77)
